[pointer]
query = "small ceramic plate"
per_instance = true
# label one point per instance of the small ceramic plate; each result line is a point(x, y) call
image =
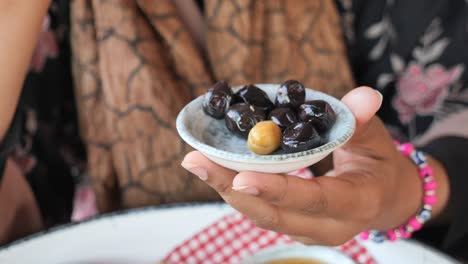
point(318, 254)
point(215, 141)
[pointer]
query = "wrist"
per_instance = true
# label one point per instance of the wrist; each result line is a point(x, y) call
point(404, 180)
point(412, 192)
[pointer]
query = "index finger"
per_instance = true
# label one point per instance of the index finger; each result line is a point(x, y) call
point(343, 196)
point(220, 179)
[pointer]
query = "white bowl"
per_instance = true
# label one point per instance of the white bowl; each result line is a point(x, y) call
point(297, 251)
point(211, 137)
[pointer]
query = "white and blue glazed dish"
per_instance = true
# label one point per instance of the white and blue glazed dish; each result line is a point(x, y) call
point(211, 137)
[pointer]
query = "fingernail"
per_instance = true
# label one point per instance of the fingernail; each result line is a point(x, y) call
point(380, 95)
point(246, 189)
point(195, 169)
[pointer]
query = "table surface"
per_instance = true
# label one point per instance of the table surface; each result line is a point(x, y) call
point(146, 235)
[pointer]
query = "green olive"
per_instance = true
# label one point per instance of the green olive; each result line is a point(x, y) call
point(264, 137)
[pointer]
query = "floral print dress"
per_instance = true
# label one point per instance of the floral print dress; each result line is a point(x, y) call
point(417, 60)
point(415, 54)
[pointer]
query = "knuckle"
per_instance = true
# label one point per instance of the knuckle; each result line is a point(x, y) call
point(314, 206)
point(222, 187)
point(280, 195)
point(269, 221)
point(316, 203)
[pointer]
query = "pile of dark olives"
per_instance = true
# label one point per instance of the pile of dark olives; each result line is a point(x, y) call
point(290, 122)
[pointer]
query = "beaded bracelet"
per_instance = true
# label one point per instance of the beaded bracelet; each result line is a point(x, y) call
point(416, 222)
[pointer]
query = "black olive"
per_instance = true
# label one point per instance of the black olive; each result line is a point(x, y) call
point(251, 94)
point(299, 137)
point(319, 113)
point(283, 117)
point(217, 100)
point(290, 94)
point(240, 118)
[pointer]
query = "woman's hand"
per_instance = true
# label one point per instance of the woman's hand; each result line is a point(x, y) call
point(372, 186)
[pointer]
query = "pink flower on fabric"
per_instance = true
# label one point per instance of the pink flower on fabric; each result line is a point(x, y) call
point(422, 91)
point(46, 47)
point(84, 205)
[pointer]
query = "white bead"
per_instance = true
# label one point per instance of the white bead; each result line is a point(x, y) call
point(428, 207)
point(428, 179)
point(430, 192)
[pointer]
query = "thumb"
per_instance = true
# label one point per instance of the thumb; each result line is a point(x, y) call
point(364, 102)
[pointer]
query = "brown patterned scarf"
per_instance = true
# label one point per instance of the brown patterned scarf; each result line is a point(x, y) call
point(136, 63)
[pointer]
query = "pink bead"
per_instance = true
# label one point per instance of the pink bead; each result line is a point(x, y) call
point(429, 186)
point(430, 199)
point(364, 235)
point(401, 230)
point(426, 171)
point(406, 149)
point(415, 224)
point(405, 235)
point(391, 235)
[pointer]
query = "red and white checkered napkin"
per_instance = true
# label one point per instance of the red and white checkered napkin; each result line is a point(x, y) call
point(235, 237)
